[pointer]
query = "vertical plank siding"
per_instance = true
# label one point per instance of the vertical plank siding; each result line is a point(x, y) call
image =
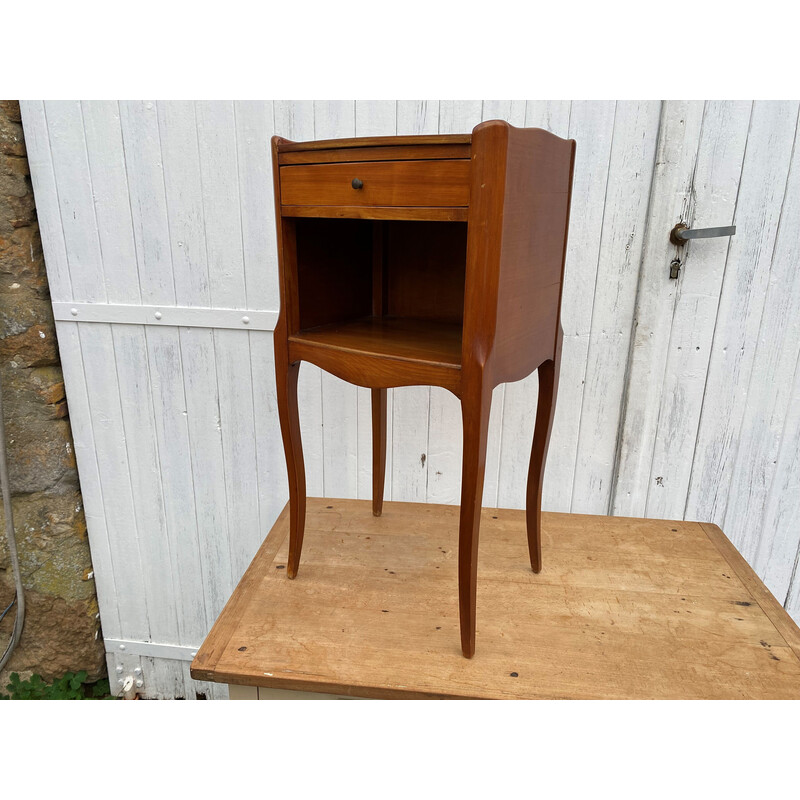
point(715, 188)
point(669, 202)
point(678, 399)
point(740, 320)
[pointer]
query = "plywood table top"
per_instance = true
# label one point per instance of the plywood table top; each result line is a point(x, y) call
point(623, 608)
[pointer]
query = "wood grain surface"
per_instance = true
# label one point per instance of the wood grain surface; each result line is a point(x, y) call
point(385, 183)
point(375, 141)
point(409, 152)
point(399, 338)
point(451, 214)
point(623, 608)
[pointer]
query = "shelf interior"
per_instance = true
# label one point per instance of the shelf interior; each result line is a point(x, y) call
point(388, 289)
point(417, 340)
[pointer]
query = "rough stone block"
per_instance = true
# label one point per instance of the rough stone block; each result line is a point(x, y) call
point(61, 632)
point(59, 636)
point(11, 109)
point(40, 454)
point(12, 142)
point(35, 347)
point(22, 261)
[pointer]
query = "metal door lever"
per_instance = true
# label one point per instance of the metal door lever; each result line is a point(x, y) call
point(681, 233)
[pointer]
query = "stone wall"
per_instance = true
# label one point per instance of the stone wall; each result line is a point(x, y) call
point(62, 631)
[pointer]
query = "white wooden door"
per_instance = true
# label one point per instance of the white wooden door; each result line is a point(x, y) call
point(710, 424)
point(678, 398)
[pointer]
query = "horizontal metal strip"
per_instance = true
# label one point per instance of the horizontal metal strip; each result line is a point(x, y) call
point(132, 647)
point(180, 316)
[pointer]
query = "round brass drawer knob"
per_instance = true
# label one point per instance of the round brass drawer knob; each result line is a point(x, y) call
point(357, 184)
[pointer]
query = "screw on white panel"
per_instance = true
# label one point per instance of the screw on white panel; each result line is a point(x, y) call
point(127, 691)
point(158, 315)
point(119, 669)
point(194, 655)
point(122, 647)
point(137, 671)
point(74, 312)
point(139, 683)
point(246, 320)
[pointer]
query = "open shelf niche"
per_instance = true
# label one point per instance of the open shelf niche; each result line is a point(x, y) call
point(382, 287)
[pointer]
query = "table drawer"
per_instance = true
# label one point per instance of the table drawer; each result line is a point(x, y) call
point(386, 183)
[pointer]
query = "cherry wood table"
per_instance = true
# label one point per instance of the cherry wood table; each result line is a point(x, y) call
point(424, 260)
point(622, 608)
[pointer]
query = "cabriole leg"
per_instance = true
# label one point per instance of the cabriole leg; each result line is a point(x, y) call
point(286, 380)
point(378, 449)
point(475, 407)
point(545, 411)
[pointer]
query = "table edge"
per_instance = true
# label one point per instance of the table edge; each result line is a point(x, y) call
point(774, 611)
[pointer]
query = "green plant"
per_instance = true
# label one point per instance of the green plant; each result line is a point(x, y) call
point(71, 686)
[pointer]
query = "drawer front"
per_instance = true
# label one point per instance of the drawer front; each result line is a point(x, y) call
point(387, 183)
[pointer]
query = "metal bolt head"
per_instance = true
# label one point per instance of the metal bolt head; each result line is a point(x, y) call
point(74, 312)
point(137, 671)
point(119, 669)
point(139, 683)
point(122, 647)
point(158, 315)
point(246, 320)
point(674, 234)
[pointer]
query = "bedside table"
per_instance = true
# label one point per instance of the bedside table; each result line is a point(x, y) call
point(424, 260)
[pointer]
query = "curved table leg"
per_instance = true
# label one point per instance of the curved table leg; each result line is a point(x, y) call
point(286, 381)
point(545, 411)
point(475, 407)
point(378, 449)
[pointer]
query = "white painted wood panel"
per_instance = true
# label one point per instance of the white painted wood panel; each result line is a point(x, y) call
point(670, 196)
point(677, 398)
point(591, 122)
point(750, 259)
point(630, 175)
point(715, 188)
point(775, 450)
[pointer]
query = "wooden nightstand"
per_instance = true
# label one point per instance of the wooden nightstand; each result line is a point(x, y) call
point(433, 260)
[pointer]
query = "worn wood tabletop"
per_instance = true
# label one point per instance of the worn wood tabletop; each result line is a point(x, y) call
point(623, 608)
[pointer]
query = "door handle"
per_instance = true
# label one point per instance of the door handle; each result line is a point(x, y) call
point(681, 233)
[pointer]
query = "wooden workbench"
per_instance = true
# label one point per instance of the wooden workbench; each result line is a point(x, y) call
point(623, 608)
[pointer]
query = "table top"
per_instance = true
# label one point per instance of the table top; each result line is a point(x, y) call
point(623, 608)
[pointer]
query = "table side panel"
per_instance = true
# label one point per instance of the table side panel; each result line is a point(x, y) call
point(777, 614)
